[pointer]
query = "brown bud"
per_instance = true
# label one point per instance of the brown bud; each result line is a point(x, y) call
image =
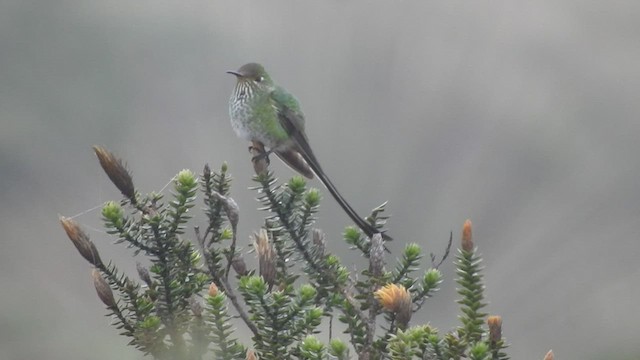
point(260, 163)
point(231, 209)
point(81, 241)
point(213, 290)
point(116, 171)
point(251, 355)
point(397, 299)
point(266, 256)
point(467, 239)
point(206, 172)
point(239, 265)
point(144, 274)
point(495, 328)
point(195, 306)
point(103, 289)
point(549, 355)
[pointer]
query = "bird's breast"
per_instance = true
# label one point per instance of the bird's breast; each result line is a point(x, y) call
point(256, 119)
point(240, 113)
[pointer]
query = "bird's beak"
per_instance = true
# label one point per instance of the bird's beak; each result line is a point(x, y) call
point(237, 74)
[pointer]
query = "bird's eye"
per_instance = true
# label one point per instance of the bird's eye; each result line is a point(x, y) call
point(259, 79)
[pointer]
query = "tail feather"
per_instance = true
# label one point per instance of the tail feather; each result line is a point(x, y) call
point(366, 227)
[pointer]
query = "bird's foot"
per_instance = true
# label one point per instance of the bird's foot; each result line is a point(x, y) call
point(262, 154)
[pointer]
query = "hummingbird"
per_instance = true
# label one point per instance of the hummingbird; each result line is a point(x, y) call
point(263, 112)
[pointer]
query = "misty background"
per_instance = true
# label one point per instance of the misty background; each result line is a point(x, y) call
point(520, 116)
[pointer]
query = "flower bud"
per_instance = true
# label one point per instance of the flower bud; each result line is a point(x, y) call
point(239, 266)
point(195, 306)
point(251, 355)
point(467, 239)
point(213, 290)
point(103, 289)
point(116, 171)
point(206, 172)
point(231, 209)
point(81, 241)
point(495, 328)
point(144, 274)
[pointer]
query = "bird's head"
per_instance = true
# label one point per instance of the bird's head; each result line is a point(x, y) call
point(253, 75)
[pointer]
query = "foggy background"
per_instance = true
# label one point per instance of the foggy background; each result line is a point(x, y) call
point(522, 117)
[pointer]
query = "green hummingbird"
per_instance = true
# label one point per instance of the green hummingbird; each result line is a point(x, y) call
point(264, 112)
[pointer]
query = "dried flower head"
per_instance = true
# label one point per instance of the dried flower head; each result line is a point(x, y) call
point(103, 289)
point(549, 355)
point(81, 241)
point(116, 171)
point(376, 255)
point(467, 239)
point(319, 241)
point(495, 328)
point(266, 256)
point(196, 307)
point(397, 299)
point(213, 290)
point(239, 265)
point(206, 172)
point(231, 209)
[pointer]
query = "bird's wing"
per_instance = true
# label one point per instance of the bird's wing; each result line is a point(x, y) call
point(292, 120)
point(294, 159)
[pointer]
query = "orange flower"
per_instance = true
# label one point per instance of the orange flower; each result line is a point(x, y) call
point(397, 299)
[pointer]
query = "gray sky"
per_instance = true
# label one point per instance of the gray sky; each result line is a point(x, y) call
point(520, 116)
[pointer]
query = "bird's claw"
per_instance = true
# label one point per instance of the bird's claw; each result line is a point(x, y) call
point(262, 154)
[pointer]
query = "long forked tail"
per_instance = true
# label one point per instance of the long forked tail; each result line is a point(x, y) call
point(366, 227)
